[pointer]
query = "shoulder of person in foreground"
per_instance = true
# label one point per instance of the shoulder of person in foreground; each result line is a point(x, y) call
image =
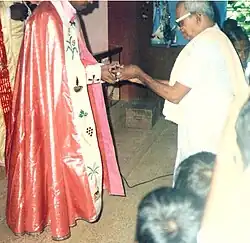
point(226, 188)
point(168, 215)
point(242, 128)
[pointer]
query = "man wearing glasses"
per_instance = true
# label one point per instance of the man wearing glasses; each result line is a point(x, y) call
point(202, 82)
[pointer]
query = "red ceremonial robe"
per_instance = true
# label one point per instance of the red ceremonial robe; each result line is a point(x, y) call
point(47, 179)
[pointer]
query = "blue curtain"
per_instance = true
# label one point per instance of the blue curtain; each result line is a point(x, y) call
point(220, 11)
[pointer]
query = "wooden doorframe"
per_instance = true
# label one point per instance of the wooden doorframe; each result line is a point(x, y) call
point(123, 31)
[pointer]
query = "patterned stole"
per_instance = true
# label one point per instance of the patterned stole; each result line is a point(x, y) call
point(82, 112)
point(5, 86)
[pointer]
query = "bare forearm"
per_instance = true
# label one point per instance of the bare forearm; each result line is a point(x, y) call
point(137, 81)
point(160, 87)
point(162, 81)
point(173, 93)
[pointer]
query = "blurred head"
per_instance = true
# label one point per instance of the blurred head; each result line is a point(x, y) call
point(193, 17)
point(168, 215)
point(242, 128)
point(194, 174)
point(242, 48)
point(80, 5)
point(239, 39)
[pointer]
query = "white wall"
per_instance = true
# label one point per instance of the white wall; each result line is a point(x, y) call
point(97, 27)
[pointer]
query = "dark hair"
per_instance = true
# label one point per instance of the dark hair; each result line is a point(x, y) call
point(32, 6)
point(168, 215)
point(233, 31)
point(194, 174)
point(242, 128)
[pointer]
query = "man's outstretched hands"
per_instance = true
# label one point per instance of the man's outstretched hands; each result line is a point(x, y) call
point(109, 73)
point(114, 72)
point(128, 72)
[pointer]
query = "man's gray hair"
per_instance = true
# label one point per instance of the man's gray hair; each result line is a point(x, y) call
point(202, 7)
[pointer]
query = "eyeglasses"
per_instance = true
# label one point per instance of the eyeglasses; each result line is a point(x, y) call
point(179, 21)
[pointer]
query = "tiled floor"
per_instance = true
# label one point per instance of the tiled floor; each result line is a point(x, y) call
point(142, 155)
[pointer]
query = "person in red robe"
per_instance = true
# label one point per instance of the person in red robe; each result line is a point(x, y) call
point(59, 149)
point(12, 17)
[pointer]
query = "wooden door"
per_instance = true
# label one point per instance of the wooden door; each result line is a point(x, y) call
point(123, 26)
point(130, 25)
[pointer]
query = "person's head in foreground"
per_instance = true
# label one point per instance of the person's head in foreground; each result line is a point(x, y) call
point(194, 174)
point(239, 39)
point(168, 215)
point(193, 17)
point(242, 128)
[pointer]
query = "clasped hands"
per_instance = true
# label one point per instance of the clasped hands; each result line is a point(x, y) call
point(114, 72)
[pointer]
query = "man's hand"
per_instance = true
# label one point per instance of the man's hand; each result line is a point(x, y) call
point(129, 72)
point(107, 74)
point(18, 11)
point(135, 81)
